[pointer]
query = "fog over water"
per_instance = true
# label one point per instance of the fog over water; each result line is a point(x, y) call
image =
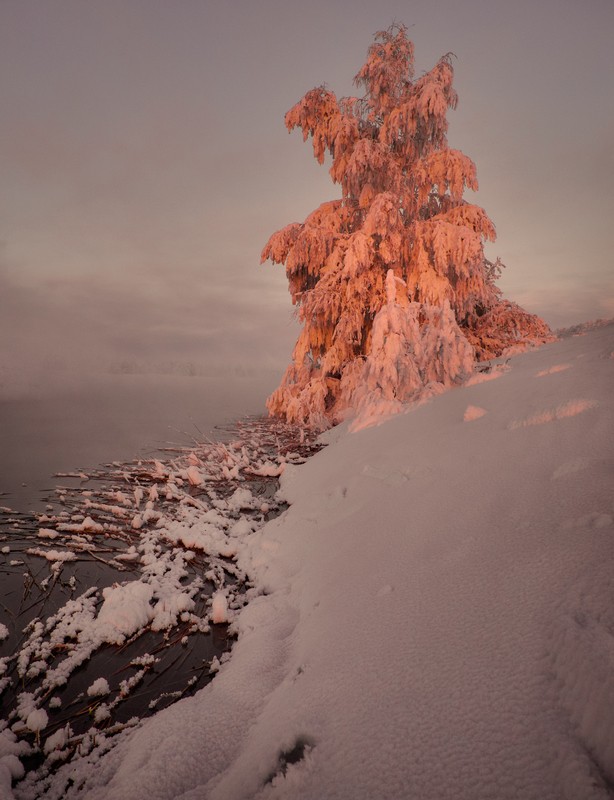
point(112, 417)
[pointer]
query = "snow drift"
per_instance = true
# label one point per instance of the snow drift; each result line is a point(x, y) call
point(436, 613)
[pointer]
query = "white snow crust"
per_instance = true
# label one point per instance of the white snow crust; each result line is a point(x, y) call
point(435, 617)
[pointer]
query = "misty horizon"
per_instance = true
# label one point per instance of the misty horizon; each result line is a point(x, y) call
point(146, 162)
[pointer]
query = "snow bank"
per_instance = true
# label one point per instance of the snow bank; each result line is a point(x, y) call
point(435, 614)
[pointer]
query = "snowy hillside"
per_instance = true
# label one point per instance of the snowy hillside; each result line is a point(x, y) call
point(436, 617)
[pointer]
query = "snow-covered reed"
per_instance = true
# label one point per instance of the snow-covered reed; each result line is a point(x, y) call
point(162, 536)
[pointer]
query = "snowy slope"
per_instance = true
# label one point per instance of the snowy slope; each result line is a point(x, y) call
point(437, 613)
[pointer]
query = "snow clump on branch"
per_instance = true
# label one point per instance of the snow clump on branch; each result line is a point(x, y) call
point(401, 213)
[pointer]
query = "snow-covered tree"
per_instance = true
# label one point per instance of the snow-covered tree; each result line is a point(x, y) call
point(391, 281)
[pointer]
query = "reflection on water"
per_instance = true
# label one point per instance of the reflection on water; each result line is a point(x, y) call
point(112, 418)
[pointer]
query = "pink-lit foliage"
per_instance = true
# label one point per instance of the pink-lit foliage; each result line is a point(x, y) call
point(391, 282)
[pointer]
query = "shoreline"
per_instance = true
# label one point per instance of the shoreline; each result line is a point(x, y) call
point(129, 527)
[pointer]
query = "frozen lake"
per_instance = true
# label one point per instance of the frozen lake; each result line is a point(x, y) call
point(91, 421)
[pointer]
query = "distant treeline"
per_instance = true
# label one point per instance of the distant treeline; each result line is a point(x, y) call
point(583, 327)
point(188, 368)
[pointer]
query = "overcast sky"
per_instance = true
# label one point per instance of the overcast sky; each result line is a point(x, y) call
point(145, 161)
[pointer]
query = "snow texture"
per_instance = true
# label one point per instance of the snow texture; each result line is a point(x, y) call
point(432, 617)
point(568, 409)
point(473, 412)
point(10, 766)
point(37, 720)
point(99, 688)
point(219, 608)
point(52, 555)
point(552, 370)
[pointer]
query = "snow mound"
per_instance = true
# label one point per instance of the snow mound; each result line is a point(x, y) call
point(431, 618)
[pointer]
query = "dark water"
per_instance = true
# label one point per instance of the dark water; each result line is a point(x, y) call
point(182, 655)
point(112, 418)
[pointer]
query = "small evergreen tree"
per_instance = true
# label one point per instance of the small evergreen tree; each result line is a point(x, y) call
point(391, 282)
